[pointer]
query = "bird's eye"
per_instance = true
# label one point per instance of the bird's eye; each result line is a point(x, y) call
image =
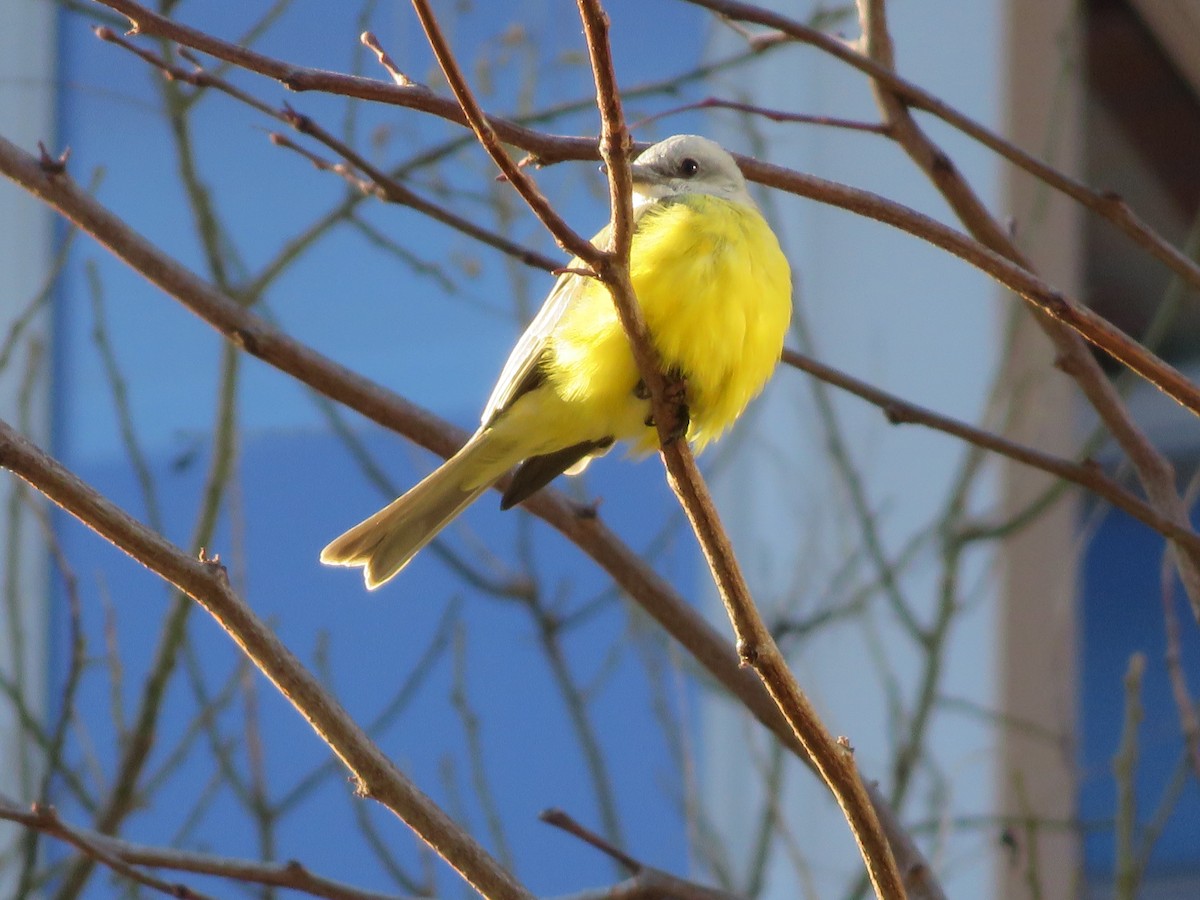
point(688, 167)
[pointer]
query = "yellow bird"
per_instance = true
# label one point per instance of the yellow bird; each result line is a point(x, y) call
point(716, 293)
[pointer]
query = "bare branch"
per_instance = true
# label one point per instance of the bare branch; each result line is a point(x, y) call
point(204, 580)
point(646, 883)
point(560, 819)
point(548, 149)
point(369, 40)
point(1185, 707)
point(378, 184)
point(654, 884)
point(287, 875)
point(301, 78)
point(1124, 765)
point(756, 647)
point(1087, 474)
point(45, 819)
point(1104, 203)
point(774, 115)
point(1154, 470)
point(490, 138)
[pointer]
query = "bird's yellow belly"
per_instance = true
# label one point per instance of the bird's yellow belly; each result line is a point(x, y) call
point(716, 292)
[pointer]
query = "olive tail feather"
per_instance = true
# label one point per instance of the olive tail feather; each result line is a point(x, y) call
point(385, 543)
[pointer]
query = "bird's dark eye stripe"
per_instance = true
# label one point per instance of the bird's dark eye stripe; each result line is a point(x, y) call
point(688, 167)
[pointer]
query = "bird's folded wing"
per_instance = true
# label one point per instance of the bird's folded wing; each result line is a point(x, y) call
point(521, 371)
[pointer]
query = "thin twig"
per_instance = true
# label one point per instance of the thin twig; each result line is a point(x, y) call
point(1189, 721)
point(549, 630)
point(44, 818)
point(378, 183)
point(53, 759)
point(774, 115)
point(1124, 766)
point(481, 786)
point(17, 565)
point(563, 821)
point(573, 243)
point(368, 39)
point(288, 875)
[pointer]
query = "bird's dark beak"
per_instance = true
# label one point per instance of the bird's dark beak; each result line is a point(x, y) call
point(641, 174)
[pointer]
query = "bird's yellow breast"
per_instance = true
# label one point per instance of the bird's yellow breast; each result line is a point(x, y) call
point(715, 290)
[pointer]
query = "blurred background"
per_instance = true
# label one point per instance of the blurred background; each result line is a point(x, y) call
point(968, 624)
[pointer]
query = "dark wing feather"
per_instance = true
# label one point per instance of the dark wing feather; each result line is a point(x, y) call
point(538, 471)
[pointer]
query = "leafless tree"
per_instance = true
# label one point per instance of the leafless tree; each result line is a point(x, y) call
point(196, 67)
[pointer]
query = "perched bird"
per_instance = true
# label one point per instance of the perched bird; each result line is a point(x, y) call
point(715, 290)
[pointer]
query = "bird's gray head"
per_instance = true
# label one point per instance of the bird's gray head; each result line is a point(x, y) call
point(687, 164)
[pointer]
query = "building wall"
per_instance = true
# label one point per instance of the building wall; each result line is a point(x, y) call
point(889, 309)
point(1035, 776)
point(27, 109)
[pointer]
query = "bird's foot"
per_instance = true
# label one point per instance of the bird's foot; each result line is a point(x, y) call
point(675, 397)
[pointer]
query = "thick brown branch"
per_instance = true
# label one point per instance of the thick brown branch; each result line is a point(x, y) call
point(1086, 475)
point(756, 647)
point(1104, 203)
point(205, 581)
point(548, 148)
point(1154, 470)
point(673, 613)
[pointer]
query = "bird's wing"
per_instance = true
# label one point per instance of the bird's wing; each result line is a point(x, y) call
point(538, 471)
point(522, 372)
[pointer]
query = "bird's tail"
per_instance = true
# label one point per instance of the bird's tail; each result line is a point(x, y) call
point(384, 543)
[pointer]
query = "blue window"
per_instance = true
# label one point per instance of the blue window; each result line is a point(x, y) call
point(1122, 613)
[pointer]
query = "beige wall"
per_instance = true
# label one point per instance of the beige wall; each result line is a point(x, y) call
point(1036, 776)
